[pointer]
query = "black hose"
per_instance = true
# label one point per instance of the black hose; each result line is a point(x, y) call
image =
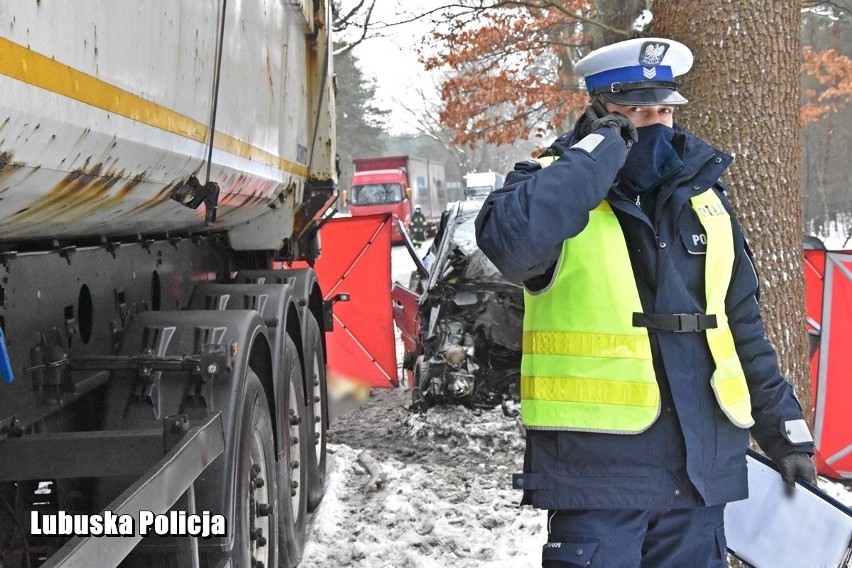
point(216, 75)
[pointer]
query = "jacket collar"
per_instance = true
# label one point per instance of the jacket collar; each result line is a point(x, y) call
point(703, 165)
point(701, 161)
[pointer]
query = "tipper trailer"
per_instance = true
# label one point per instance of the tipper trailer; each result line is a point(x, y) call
point(156, 158)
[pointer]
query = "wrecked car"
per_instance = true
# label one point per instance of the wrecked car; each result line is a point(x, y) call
point(460, 320)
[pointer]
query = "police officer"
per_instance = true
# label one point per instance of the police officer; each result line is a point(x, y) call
point(418, 226)
point(645, 365)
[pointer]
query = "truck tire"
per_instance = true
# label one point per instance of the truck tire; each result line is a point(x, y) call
point(257, 519)
point(292, 471)
point(317, 407)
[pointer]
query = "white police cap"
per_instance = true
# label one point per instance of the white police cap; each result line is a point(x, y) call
point(638, 71)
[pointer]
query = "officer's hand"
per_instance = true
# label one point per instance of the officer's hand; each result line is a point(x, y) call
point(796, 465)
point(597, 116)
point(594, 112)
point(527, 166)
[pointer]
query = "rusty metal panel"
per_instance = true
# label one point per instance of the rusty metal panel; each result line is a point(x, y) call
point(305, 8)
point(101, 122)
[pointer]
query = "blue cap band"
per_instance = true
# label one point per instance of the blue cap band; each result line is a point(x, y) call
point(627, 75)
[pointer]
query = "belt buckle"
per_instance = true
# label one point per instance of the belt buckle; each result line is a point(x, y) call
point(688, 323)
point(615, 87)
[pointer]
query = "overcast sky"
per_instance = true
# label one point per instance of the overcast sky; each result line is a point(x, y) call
point(392, 60)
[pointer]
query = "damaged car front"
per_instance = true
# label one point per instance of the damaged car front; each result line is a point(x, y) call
point(460, 321)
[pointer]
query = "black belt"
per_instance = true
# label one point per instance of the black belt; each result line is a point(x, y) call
point(675, 322)
point(618, 87)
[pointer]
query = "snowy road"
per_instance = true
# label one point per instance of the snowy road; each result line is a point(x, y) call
point(447, 501)
point(401, 263)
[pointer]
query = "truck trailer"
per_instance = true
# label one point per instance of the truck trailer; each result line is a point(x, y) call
point(161, 382)
point(395, 184)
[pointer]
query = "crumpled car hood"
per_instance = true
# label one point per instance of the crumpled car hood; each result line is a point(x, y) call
point(467, 346)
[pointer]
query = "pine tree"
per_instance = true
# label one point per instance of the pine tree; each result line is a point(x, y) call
point(359, 120)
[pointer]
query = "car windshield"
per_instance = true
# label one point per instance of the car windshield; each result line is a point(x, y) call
point(462, 235)
point(377, 193)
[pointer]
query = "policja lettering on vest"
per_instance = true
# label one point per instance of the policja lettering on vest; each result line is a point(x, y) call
point(645, 366)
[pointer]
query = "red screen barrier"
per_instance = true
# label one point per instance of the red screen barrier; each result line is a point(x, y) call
point(356, 260)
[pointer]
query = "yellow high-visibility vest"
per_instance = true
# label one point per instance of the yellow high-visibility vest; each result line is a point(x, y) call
point(585, 367)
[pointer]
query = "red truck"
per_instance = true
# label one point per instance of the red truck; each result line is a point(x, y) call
point(396, 184)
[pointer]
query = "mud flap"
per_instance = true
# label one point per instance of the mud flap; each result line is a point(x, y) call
point(176, 334)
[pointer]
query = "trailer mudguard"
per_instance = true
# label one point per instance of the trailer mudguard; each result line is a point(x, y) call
point(134, 402)
point(276, 304)
point(305, 286)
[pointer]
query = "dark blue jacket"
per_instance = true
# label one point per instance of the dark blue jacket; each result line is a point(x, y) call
point(692, 455)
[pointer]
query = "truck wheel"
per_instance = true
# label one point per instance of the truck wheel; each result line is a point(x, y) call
point(317, 407)
point(292, 471)
point(257, 518)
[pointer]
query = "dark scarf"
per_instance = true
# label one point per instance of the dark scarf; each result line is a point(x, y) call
point(651, 160)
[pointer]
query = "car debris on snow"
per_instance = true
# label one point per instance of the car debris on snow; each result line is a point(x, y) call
point(377, 475)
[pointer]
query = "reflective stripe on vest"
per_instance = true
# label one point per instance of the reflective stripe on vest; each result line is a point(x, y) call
point(584, 366)
point(728, 381)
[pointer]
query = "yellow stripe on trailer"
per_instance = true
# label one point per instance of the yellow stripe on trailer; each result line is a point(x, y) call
point(23, 64)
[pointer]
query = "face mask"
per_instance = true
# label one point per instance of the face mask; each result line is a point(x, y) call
point(651, 159)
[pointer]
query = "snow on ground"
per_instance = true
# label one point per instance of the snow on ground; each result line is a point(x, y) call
point(836, 490)
point(447, 501)
point(837, 237)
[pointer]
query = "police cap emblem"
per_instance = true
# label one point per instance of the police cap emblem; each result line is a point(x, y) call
point(639, 71)
point(652, 53)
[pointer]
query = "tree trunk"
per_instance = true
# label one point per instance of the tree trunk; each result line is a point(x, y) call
point(743, 96)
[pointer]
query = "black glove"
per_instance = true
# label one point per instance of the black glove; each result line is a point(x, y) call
point(796, 465)
point(527, 166)
point(597, 116)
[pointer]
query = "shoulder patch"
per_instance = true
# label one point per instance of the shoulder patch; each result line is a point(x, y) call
point(588, 143)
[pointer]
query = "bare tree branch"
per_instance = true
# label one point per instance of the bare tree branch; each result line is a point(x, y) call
point(341, 23)
point(453, 10)
point(557, 6)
